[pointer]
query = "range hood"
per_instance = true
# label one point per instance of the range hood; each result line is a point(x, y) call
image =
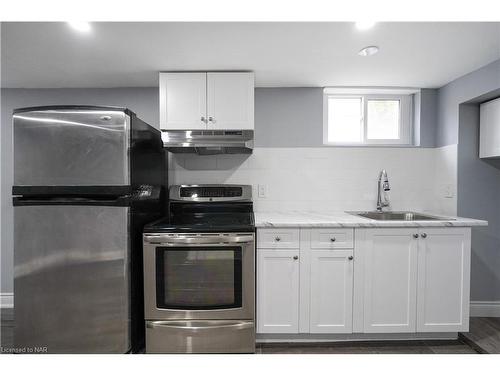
point(208, 142)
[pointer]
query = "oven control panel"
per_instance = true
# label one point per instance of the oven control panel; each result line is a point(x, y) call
point(211, 193)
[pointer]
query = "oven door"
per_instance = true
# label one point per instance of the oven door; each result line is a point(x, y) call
point(199, 276)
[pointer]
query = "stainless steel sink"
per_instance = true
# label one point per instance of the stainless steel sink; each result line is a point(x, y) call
point(394, 215)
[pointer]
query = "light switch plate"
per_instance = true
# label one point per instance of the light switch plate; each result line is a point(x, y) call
point(262, 191)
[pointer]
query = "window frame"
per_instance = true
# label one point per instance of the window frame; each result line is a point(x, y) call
point(405, 117)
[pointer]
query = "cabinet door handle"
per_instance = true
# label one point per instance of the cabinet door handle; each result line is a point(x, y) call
point(415, 235)
point(277, 239)
point(333, 239)
point(295, 257)
point(203, 119)
point(424, 235)
point(350, 257)
point(211, 119)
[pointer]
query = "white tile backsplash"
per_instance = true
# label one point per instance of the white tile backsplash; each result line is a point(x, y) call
point(329, 178)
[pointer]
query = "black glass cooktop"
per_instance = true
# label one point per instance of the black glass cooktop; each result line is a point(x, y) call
point(205, 217)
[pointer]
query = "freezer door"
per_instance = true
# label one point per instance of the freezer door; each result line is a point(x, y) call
point(71, 279)
point(68, 147)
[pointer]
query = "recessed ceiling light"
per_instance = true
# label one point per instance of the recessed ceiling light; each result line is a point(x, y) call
point(368, 51)
point(364, 25)
point(81, 26)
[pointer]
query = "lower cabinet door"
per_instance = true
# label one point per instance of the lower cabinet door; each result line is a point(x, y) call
point(443, 280)
point(390, 280)
point(277, 291)
point(331, 291)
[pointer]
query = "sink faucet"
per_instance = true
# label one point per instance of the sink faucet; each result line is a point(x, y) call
point(383, 186)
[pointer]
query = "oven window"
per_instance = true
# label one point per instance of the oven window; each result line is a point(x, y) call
point(194, 278)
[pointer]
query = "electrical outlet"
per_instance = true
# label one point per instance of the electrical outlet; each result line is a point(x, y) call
point(262, 191)
point(448, 191)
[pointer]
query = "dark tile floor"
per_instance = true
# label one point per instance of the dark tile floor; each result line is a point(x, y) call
point(484, 337)
point(6, 328)
point(372, 347)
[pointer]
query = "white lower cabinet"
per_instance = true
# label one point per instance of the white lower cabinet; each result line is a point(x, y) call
point(331, 291)
point(393, 280)
point(443, 280)
point(277, 291)
point(390, 280)
point(414, 280)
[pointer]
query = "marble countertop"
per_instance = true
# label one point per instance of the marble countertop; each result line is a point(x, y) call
point(310, 219)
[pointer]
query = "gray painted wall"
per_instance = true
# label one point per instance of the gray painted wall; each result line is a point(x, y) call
point(290, 117)
point(428, 117)
point(478, 193)
point(293, 117)
point(461, 90)
point(425, 118)
point(478, 180)
point(284, 117)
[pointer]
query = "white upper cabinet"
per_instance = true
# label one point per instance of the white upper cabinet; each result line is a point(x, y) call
point(443, 280)
point(230, 100)
point(206, 100)
point(183, 101)
point(489, 133)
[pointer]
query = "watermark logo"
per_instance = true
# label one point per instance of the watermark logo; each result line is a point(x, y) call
point(24, 350)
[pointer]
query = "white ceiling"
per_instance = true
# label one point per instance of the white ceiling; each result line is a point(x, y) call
point(281, 54)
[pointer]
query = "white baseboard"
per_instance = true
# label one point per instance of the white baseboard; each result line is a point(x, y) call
point(485, 309)
point(6, 300)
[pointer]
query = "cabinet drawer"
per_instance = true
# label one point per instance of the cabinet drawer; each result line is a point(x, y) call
point(332, 238)
point(285, 238)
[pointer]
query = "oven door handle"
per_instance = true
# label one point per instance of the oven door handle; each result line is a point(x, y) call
point(197, 325)
point(197, 240)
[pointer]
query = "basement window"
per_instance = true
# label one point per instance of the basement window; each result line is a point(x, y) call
point(358, 117)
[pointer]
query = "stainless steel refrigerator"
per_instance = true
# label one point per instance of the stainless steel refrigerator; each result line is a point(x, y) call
point(86, 180)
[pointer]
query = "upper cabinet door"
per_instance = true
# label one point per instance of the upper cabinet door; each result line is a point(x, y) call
point(489, 129)
point(230, 100)
point(390, 280)
point(443, 280)
point(183, 101)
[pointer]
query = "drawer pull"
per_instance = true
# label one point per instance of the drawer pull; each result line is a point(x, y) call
point(333, 239)
point(295, 257)
point(277, 239)
point(350, 257)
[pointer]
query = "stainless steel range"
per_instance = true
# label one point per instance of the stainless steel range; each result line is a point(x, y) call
point(199, 272)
